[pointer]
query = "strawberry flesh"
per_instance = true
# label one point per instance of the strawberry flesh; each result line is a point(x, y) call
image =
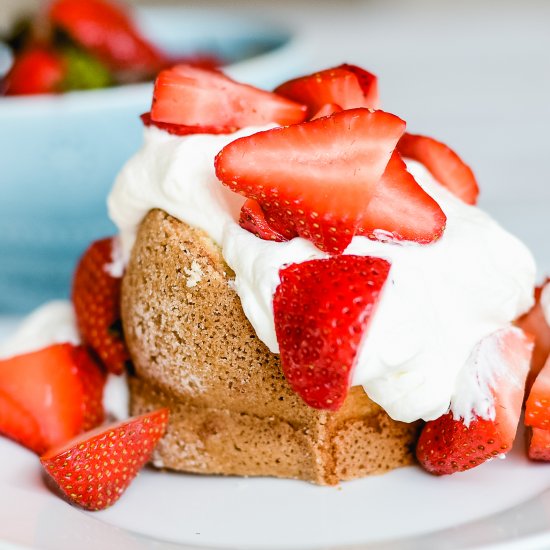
point(183, 130)
point(443, 163)
point(94, 469)
point(347, 86)
point(191, 96)
point(46, 384)
point(96, 300)
point(447, 445)
point(252, 218)
point(537, 406)
point(326, 110)
point(538, 444)
point(322, 309)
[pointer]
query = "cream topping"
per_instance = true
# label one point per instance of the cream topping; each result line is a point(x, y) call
point(439, 300)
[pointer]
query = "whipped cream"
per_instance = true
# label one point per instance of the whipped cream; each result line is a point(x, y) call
point(52, 323)
point(545, 302)
point(439, 302)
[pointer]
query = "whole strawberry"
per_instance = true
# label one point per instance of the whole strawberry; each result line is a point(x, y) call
point(96, 299)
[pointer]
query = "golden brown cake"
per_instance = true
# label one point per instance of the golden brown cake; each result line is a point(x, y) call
point(232, 411)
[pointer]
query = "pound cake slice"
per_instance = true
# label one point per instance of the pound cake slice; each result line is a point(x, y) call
point(232, 411)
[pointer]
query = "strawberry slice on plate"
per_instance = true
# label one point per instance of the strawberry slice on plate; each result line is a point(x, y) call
point(96, 300)
point(534, 322)
point(538, 444)
point(191, 96)
point(448, 445)
point(59, 386)
point(94, 469)
point(347, 86)
point(106, 30)
point(317, 179)
point(252, 218)
point(443, 163)
point(36, 70)
point(322, 309)
point(537, 406)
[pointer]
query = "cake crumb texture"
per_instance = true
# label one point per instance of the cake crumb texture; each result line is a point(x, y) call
point(232, 411)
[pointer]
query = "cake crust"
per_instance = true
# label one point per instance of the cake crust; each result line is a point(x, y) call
point(232, 411)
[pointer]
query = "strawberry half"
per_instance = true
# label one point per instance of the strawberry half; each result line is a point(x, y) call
point(443, 163)
point(183, 130)
point(94, 469)
point(20, 425)
point(106, 30)
point(347, 86)
point(96, 300)
point(190, 96)
point(537, 406)
point(252, 218)
point(534, 322)
point(317, 179)
point(538, 444)
point(35, 71)
point(60, 387)
point(448, 445)
point(322, 309)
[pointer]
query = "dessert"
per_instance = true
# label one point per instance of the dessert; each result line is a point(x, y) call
point(200, 291)
point(307, 289)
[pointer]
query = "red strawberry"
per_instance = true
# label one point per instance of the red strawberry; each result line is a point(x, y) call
point(96, 299)
point(327, 110)
point(20, 425)
point(447, 445)
point(322, 309)
point(538, 444)
point(537, 406)
point(59, 386)
point(106, 30)
point(534, 322)
point(400, 209)
point(316, 179)
point(182, 129)
point(35, 71)
point(253, 219)
point(190, 96)
point(93, 378)
point(94, 469)
point(347, 86)
point(443, 163)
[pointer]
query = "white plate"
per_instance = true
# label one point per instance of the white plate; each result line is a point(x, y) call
point(502, 504)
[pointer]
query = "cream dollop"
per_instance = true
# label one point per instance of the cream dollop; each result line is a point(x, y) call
point(439, 302)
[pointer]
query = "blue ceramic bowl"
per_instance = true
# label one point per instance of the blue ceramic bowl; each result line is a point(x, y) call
point(59, 155)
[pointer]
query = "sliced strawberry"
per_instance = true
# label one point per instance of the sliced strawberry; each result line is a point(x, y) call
point(538, 444)
point(347, 86)
point(106, 30)
point(35, 71)
point(191, 96)
point(443, 163)
point(20, 425)
point(322, 309)
point(46, 384)
point(183, 130)
point(93, 378)
point(96, 299)
point(327, 110)
point(534, 322)
point(317, 179)
point(448, 445)
point(400, 209)
point(252, 219)
point(537, 406)
point(94, 469)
